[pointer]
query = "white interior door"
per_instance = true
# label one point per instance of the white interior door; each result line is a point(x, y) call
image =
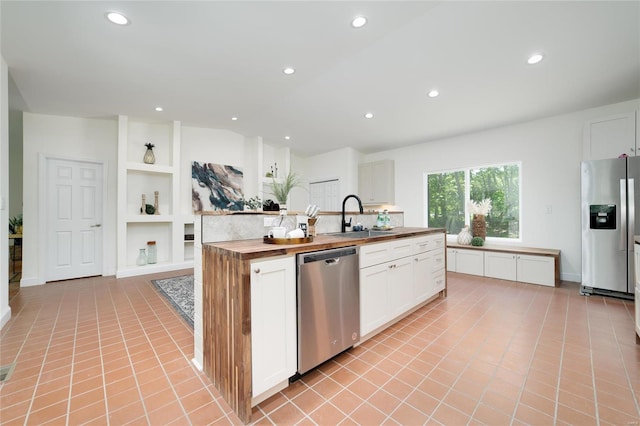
point(324, 194)
point(74, 223)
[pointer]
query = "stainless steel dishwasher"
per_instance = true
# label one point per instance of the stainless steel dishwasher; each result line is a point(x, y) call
point(328, 305)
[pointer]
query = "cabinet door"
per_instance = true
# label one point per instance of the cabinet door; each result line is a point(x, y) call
point(401, 285)
point(375, 309)
point(451, 260)
point(422, 277)
point(609, 137)
point(500, 265)
point(376, 182)
point(637, 305)
point(273, 322)
point(470, 262)
point(536, 270)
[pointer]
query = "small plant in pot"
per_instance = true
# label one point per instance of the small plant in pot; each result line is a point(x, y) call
point(282, 188)
point(253, 203)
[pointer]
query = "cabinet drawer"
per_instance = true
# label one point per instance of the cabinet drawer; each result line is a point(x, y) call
point(374, 254)
point(428, 243)
point(438, 260)
point(439, 281)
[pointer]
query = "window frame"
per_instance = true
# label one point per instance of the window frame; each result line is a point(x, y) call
point(467, 195)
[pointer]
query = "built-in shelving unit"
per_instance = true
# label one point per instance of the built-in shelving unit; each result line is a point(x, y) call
point(169, 226)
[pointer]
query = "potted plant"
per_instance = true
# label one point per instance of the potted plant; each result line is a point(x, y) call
point(15, 224)
point(253, 203)
point(282, 188)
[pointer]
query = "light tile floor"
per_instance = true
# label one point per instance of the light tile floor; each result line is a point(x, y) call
point(106, 351)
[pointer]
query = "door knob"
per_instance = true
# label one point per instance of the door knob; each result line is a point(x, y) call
point(98, 225)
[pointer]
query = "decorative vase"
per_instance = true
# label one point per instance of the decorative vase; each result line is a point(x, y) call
point(152, 256)
point(142, 258)
point(464, 237)
point(479, 226)
point(149, 156)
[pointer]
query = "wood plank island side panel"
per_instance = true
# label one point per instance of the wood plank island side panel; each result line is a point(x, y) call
point(227, 328)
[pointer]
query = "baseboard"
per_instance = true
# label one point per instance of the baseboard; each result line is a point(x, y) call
point(576, 278)
point(28, 282)
point(196, 363)
point(6, 316)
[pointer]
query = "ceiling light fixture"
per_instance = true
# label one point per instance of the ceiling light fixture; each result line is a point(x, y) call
point(234, 118)
point(288, 71)
point(433, 93)
point(368, 115)
point(287, 137)
point(358, 22)
point(159, 109)
point(535, 58)
point(117, 18)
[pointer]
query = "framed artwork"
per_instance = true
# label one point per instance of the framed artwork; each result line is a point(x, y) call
point(216, 187)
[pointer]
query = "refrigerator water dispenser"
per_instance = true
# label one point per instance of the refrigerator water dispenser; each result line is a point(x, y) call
point(602, 216)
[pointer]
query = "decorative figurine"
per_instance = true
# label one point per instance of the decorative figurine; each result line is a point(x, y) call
point(155, 204)
point(143, 209)
point(149, 156)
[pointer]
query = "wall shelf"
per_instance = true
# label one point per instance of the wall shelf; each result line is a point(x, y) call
point(136, 178)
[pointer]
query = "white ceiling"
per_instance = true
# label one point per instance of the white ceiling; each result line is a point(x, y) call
point(206, 61)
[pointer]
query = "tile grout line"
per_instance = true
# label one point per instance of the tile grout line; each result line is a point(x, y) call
point(624, 366)
point(73, 359)
point(44, 357)
point(593, 373)
point(104, 373)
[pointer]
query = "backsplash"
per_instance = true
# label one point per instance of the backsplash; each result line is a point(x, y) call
point(232, 227)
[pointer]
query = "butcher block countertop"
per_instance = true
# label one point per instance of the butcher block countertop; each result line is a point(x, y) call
point(257, 248)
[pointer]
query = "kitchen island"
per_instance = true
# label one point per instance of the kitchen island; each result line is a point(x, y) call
point(249, 303)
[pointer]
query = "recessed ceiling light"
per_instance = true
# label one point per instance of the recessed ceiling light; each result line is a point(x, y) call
point(368, 115)
point(358, 22)
point(535, 58)
point(288, 70)
point(433, 93)
point(117, 18)
point(234, 118)
point(159, 109)
point(287, 137)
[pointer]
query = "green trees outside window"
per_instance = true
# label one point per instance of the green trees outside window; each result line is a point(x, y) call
point(448, 193)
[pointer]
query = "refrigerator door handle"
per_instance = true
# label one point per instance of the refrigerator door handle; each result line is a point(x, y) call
point(623, 214)
point(631, 226)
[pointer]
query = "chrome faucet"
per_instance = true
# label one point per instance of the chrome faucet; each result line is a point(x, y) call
point(344, 222)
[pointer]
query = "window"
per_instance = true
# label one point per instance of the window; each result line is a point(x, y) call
point(448, 193)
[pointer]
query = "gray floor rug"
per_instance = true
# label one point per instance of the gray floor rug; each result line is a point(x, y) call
point(179, 292)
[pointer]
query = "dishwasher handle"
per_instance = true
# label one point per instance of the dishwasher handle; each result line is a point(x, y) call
point(333, 261)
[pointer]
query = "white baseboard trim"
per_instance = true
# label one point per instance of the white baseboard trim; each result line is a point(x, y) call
point(571, 277)
point(6, 316)
point(197, 364)
point(28, 282)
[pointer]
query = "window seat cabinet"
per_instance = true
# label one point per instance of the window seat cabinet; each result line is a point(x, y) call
point(522, 264)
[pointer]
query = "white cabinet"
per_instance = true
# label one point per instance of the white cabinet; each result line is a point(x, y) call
point(398, 275)
point(608, 137)
point(136, 178)
point(465, 261)
point(376, 182)
point(520, 267)
point(637, 292)
point(428, 267)
point(273, 322)
point(375, 309)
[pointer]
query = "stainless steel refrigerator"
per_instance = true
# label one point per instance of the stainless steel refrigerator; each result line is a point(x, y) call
point(609, 201)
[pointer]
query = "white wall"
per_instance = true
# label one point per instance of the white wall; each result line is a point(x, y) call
point(5, 310)
point(211, 146)
point(550, 151)
point(75, 139)
point(340, 164)
point(15, 163)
